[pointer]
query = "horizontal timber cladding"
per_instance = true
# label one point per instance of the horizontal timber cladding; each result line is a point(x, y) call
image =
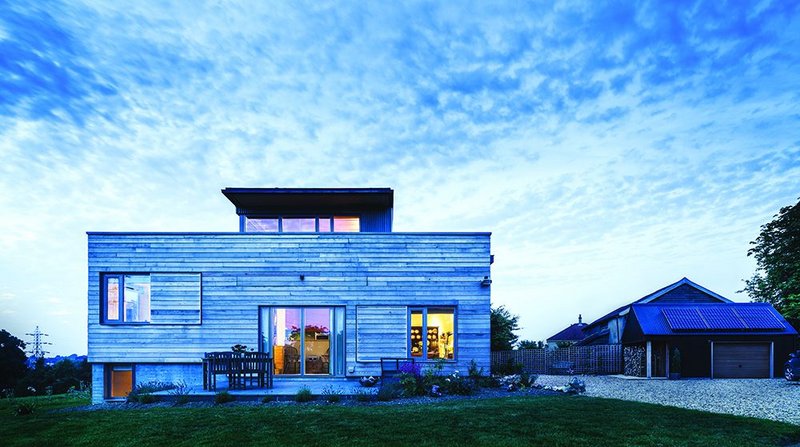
point(239, 272)
point(381, 332)
point(175, 298)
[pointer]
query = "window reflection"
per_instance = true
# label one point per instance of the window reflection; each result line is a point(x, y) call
point(299, 224)
point(346, 224)
point(262, 225)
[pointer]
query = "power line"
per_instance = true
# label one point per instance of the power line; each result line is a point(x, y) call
point(37, 348)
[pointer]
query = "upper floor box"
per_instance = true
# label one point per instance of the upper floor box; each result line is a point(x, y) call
point(310, 210)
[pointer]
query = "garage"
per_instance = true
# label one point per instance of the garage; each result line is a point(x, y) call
point(717, 340)
point(741, 360)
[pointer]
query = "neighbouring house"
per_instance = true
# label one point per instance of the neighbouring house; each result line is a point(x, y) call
point(568, 336)
point(687, 329)
point(314, 277)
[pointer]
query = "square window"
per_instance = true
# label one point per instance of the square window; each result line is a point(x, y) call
point(126, 298)
point(120, 381)
point(432, 331)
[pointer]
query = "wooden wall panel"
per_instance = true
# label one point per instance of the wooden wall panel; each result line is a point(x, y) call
point(381, 331)
point(238, 272)
point(175, 298)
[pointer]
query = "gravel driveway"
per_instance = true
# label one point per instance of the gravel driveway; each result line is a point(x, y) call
point(774, 399)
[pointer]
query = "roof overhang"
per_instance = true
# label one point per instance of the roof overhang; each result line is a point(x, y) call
point(302, 199)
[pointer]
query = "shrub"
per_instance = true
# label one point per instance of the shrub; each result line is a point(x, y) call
point(510, 367)
point(303, 395)
point(473, 372)
point(332, 395)
point(148, 398)
point(457, 384)
point(363, 396)
point(410, 385)
point(143, 392)
point(181, 393)
point(389, 391)
point(24, 408)
point(268, 398)
point(223, 397)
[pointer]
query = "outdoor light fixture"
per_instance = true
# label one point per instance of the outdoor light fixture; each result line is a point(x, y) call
point(302, 277)
point(486, 282)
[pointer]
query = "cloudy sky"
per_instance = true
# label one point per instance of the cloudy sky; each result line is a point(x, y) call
point(611, 149)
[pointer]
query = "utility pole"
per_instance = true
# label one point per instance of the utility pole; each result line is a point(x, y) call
point(37, 348)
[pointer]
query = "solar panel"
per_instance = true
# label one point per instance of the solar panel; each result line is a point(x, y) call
point(721, 318)
point(756, 318)
point(683, 319)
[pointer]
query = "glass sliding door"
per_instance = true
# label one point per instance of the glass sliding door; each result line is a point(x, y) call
point(304, 340)
point(286, 339)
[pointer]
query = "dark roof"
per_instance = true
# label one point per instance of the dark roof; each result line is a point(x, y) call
point(705, 319)
point(286, 199)
point(572, 333)
point(654, 295)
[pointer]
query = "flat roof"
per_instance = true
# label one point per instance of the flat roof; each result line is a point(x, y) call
point(304, 198)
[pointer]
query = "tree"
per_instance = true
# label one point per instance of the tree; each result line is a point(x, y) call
point(12, 360)
point(530, 344)
point(777, 253)
point(503, 324)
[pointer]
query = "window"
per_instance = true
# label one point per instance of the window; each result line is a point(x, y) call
point(119, 380)
point(296, 224)
point(269, 225)
point(346, 224)
point(432, 331)
point(126, 298)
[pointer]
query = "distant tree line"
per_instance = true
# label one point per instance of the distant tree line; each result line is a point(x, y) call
point(17, 379)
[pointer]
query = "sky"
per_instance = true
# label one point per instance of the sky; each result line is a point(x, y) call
point(611, 148)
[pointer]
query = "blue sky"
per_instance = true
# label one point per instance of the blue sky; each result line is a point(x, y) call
point(611, 148)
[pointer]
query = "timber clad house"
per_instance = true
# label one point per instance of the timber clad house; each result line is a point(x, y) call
point(314, 277)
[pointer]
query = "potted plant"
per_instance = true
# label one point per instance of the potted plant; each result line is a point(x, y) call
point(675, 364)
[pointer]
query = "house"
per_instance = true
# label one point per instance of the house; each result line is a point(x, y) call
point(687, 329)
point(568, 336)
point(609, 328)
point(314, 277)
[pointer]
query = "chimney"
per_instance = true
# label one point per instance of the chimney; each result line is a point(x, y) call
point(580, 319)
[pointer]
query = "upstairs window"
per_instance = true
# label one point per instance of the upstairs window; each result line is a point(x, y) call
point(293, 224)
point(126, 298)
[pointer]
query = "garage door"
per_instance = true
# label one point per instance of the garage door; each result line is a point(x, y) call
point(737, 360)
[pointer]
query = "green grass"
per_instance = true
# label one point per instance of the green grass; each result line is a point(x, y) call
point(516, 421)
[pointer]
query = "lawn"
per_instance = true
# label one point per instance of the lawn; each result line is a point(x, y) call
point(517, 421)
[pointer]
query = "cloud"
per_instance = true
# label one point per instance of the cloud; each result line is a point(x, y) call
point(611, 148)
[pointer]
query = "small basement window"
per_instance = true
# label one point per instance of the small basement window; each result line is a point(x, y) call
point(126, 298)
point(119, 381)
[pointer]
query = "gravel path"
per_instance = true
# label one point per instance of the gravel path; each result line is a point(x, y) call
point(774, 399)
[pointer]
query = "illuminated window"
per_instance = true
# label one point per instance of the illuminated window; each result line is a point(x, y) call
point(126, 298)
point(346, 224)
point(291, 224)
point(432, 331)
point(119, 380)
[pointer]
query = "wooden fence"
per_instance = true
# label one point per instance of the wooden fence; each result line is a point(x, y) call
point(597, 359)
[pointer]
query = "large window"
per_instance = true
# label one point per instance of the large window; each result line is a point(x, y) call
point(432, 333)
point(304, 340)
point(301, 224)
point(126, 298)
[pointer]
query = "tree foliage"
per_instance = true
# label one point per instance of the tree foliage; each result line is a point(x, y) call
point(12, 360)
point(503, 325)
point(531, 344)
point(777, 253)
